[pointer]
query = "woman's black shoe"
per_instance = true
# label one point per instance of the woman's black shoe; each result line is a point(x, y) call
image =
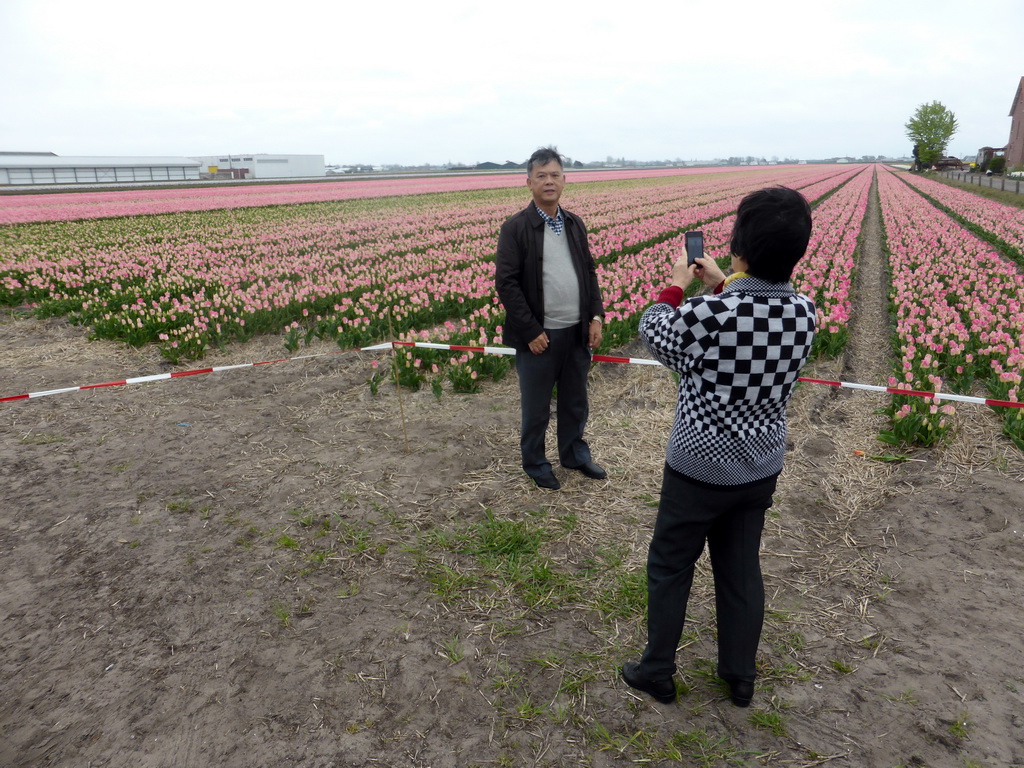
point(662, 690)
point(741, 692)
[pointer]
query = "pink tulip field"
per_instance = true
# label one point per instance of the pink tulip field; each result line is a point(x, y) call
point(990, 220)
point(413, 259)
point(69, 206)
point(959, 308)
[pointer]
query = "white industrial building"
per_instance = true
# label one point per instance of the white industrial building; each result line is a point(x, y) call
point(258, 166)
point(46, 168)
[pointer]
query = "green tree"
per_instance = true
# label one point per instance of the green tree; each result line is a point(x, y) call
point(931, 128)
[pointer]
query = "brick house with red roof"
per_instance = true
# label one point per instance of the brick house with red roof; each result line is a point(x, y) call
point(1015, 146)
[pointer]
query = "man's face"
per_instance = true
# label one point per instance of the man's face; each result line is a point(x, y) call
point(546, 182)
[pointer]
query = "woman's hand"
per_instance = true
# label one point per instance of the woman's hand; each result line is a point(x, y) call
point(703, 268)
point(708, 271)
point(683, 273)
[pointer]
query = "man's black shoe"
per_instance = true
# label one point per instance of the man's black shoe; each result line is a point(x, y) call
point(741, 692)
point(547, 480)
point(591, 470)
point(662, 690)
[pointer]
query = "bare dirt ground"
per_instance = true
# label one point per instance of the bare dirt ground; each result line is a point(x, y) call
point(275, 567)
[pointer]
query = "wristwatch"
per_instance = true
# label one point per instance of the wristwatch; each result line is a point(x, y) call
point(598, 318)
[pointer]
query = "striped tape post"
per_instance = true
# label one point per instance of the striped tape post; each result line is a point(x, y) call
point(389, 345)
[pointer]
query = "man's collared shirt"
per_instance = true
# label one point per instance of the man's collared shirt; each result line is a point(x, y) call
point(557, 223)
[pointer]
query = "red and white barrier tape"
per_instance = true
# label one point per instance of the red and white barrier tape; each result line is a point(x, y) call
point(491, 351)
point(916, 393)
point(646, 361)
point(164, 376)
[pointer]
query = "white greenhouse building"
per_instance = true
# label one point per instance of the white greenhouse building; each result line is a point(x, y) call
point(257, 166)
point(44, 168)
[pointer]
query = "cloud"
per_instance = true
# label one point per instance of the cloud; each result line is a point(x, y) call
point(394, 82)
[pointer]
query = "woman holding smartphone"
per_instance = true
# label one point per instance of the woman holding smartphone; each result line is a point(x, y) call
point(738, 353)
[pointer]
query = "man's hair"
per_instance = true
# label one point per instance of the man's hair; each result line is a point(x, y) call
point(543, 156)
point(772, 229)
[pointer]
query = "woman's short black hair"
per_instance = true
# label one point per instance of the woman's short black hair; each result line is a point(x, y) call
point(772, 229)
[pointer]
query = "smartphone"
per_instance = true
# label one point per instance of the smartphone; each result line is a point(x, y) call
point(694, 246)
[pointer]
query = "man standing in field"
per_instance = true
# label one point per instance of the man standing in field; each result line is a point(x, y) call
point(547, 283)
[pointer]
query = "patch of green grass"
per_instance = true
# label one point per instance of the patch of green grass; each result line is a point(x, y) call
point(769, 721)
point(608, 741)
point(905, 697)
point(319, 556)
point(507, 554)
point(574, 681)
point(707, 670)
point(508, 538)
point(699, 748)
point(871, 642)
point(649, 501)
point(391, 518)
point(508, 628)
point(349, 590)
point(625, 597)
point(452, 650)
point(548, 660)
point(783, 674)
point(960, 729)
point(840, 666)
point(448, 583)
point(612, 556)
point(791, 643)
point(45, 438)
point(282, 613)
point(569, 522)
point(537, 583)
point(527, 709)
point(356, 540)
point(507, 680)
point(182, 505)
point(284, 541)
point(303, 517)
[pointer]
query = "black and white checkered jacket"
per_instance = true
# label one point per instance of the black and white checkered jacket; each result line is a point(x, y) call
point(738, 355)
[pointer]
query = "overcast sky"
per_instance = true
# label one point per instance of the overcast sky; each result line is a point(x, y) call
point(468, 81)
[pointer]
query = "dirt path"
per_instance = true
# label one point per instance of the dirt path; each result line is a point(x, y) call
point(264, 568)
point(928, 557)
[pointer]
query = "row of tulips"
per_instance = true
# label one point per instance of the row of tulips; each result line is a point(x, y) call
point(354, 271)
point(959, 315)
point(824, 274)
point(1004, 222)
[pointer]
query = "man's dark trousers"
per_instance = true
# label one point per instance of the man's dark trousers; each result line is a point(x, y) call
point(566, 362)
point(731, 520)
